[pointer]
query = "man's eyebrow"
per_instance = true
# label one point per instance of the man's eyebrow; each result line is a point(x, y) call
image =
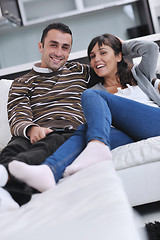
point(53, 42)
point(66, 45)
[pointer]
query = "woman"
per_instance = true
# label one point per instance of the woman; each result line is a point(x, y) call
point(134, 119)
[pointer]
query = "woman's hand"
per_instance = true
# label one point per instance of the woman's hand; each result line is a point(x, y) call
point(156, 84)
point(122, 41)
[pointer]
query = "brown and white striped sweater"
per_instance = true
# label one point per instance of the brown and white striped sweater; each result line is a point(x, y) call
point(51, 99)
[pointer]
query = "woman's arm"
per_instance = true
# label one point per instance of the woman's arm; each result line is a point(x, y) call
point(149, 51)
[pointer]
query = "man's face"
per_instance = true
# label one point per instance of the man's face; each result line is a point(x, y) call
point(56, 49)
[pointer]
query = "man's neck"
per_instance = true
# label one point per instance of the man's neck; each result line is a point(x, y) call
point(37, 67)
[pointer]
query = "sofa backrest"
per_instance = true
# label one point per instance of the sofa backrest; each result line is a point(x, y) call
point(5, 134)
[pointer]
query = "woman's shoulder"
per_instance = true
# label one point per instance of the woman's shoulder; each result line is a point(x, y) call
point(99, 86)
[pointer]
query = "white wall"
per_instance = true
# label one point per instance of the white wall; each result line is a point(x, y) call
point(19, 45)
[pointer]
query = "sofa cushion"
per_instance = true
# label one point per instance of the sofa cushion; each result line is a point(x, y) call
point(5, 134)
point(138, 153)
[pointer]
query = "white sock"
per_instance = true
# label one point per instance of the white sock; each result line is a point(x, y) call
point(39, 177)
point(6, 201)
point(94, 152)
point(3, 176)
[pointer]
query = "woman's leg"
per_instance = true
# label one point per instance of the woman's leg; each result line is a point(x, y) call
point(96, 152)
point(98, 134)
point(134, 119)
point(67, 153)
point(137, 120)
point(98, 117)
point(118, 138)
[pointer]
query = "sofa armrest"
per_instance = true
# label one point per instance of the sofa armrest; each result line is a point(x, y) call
point(5, 133)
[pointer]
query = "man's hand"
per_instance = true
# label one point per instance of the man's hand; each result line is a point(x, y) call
point(37, 133)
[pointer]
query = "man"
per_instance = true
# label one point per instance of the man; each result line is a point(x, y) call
point(44, 107)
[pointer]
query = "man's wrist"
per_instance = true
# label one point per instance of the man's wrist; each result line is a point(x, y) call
point(28, 129)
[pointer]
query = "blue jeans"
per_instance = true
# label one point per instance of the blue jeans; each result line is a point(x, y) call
point(133, 122)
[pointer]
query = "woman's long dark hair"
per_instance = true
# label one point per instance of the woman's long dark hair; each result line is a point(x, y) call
point(124, 74)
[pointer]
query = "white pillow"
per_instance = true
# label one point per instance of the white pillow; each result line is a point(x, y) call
point(5, 134)
point(137, 153)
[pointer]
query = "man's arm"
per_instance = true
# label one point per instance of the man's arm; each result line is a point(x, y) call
point(20, 113)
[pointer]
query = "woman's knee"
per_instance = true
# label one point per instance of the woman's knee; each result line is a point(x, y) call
point(91, 93)
point(88, 94)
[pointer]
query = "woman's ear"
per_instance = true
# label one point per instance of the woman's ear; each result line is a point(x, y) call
point(119, 57)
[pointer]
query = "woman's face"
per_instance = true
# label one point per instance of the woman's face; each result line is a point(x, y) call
point(104, 61)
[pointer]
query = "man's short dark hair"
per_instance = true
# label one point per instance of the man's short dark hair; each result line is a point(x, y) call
point(58, 26)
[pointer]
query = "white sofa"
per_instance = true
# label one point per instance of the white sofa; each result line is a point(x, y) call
point(137, 164)
point(93, 203)
point(90, 204)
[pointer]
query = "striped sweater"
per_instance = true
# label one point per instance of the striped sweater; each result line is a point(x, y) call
point(51, 99)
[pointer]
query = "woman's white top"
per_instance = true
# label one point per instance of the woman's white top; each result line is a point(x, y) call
point(136, 94)
point(131, 92)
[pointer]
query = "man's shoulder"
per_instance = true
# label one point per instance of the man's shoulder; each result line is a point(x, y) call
point(25, 76)
point(76, 66)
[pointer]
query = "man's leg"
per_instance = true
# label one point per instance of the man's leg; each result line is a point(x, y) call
point(44, 176)
point(42, 149)
point(37, 153)
point(14, 147)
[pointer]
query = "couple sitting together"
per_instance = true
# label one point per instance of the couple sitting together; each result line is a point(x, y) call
point(65, 116)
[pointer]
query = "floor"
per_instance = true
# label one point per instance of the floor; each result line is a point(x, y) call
point(149, 212)
point(145, 214)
